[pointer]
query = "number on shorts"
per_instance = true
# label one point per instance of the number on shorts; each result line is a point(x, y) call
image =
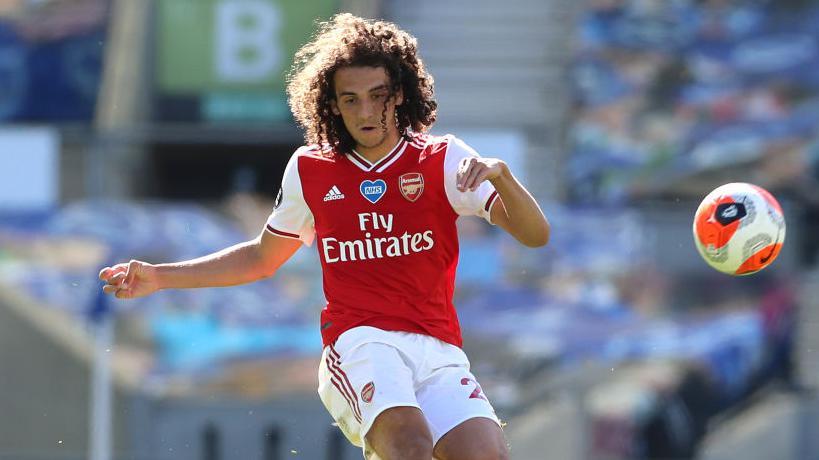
point(477, 393)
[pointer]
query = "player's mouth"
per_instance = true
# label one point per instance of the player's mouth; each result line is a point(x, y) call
point(368, 129)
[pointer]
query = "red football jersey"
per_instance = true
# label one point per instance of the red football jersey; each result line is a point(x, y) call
point(385, 232)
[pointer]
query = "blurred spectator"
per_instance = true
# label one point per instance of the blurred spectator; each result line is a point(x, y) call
point(666, 89)
point(793, 170)
point(52, 20)
point(52, 59)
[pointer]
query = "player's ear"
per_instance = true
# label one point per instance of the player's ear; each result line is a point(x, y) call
point(334, 107)
point(399, 97)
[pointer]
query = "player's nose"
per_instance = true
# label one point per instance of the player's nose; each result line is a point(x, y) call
point(368, 110)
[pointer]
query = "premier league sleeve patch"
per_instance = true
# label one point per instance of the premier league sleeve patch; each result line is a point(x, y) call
point(278, 201)
point(411, 185)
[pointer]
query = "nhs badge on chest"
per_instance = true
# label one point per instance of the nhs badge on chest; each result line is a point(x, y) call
point(411, 185)
point(373, 190)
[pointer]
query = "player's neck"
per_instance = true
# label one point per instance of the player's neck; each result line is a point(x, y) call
point(376, 153)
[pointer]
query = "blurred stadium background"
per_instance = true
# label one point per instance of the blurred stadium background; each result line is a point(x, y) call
point(158, 129)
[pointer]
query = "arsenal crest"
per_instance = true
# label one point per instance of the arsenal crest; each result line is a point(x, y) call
point(411, 185)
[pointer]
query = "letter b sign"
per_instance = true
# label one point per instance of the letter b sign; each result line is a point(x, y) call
point(248, 48)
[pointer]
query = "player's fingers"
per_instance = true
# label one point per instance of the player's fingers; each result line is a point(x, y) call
point(117, 279)
point(108, 272)
point(463, 171)
point(471, 181)
point(480, 178)
point(123, 294)
point(464, 184)
point(111, 289)
point(131, 274)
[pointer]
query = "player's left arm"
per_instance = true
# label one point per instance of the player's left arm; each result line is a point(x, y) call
point(515, 210)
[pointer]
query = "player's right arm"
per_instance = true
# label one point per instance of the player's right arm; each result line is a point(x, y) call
point(242, 263)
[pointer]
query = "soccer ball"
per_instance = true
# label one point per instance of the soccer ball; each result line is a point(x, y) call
point(739, 228)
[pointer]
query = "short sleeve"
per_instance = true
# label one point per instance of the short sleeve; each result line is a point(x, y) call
point(291, 217)
point(469, 203)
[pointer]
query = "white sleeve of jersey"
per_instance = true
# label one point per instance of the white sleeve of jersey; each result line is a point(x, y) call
point(477, 203)
point(291, 217)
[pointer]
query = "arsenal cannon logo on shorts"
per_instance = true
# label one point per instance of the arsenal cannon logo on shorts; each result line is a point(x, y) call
point(411, 185)
point(367, 392)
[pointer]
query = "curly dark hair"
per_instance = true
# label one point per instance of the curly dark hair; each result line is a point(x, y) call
point(347, 40)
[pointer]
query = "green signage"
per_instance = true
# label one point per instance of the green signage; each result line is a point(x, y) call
point(233, 53)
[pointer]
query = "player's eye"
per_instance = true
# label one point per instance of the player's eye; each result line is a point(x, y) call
point(347, 100)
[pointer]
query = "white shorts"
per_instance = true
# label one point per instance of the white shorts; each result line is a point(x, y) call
point(370, 370)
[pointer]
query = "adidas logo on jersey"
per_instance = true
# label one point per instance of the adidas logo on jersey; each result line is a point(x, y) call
point(334, 194)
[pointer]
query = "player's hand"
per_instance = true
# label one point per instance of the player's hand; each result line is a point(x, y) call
point(129, 280)
point(472, 171)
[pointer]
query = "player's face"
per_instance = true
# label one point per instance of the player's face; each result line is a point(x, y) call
point(363, 101)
